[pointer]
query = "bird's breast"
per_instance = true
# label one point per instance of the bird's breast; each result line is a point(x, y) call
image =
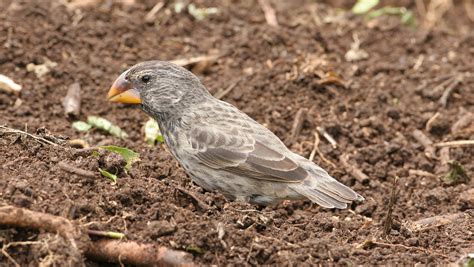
point(169, 132)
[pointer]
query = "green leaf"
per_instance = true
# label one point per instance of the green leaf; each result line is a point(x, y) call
point(81, 126)
point(128, 155)
point(152, 132)
point(456, 174)
point(109, 175)
point(386, 10)
point(408, 18)
point(375, 13)
point(107, 126)
point(99, 122)
point(469, 262)
point(194, 249)
point(363, 6)
point(390, 10)
point(160, 138)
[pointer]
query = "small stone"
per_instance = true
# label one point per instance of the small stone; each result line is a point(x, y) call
point(394, 114)
point(413, 242)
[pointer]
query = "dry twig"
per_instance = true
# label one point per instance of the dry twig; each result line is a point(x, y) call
point(193, 60)
point(443, 80)
point(421, 173)
point(250, 250)
point(419, 62)
point(199, 202)
point(429, 123)
point(353, 170)
point(457, 143)
point(270, 14)
point(449, 89)
point(150, 16)
point(444, 156)
point(298, 124)
point(40, 140)
point(387, 225)
point(320, 154)
point(445, 160)
point(327, 136)
point(426, 142)
point(71, 169)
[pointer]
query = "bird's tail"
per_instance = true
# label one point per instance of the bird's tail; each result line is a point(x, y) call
point(325, 191)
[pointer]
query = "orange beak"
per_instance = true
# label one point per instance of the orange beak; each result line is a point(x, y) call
point(122, 91)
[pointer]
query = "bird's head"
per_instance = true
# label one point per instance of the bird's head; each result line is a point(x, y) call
point(158, 87)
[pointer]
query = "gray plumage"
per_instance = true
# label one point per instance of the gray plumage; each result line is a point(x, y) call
point(222, 149)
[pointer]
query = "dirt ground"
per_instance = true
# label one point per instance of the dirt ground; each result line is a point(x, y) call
point(371, 111)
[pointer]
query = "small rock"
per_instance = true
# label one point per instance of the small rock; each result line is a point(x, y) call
point(413, 242)
point(367, 208)
point(394, 114)
point(440, 127)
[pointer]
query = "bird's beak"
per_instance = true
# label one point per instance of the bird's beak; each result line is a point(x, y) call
point(122, 91)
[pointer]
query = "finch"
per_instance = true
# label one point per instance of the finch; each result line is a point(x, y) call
point(220, 147)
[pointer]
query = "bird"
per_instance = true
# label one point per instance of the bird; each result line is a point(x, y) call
point(220, 147)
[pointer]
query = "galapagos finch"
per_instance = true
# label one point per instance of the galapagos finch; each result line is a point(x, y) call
point(220, 147)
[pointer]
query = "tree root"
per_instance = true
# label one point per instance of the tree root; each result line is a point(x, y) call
point(118, 251)
point(134, 253)
point(24, 218)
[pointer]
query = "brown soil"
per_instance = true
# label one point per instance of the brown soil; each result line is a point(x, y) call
point(387, 96)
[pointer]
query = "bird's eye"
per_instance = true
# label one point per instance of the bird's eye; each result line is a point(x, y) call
point(145, 78)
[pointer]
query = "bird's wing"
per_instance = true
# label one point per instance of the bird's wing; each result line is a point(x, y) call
point(232, 149)
point(234, 142)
